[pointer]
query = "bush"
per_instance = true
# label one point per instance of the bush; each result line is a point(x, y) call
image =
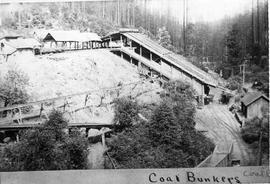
point(234, 83)
point(126, 113)
point(13, 88)
point(251, 132)
point(169, 140)
point(46, 148)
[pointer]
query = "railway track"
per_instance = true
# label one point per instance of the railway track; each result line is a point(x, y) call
point(239, 149)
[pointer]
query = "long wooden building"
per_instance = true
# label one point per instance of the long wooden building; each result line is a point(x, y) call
point(72, 40)
point(154, 59)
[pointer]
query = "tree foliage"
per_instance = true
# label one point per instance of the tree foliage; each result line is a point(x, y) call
point(126, 113)
point(233, 46)
point(164, 38)
point(13, 88)
point(46, 148)
point(168, 140)
point(234, 83)
point(251, 131)
point(256, 130)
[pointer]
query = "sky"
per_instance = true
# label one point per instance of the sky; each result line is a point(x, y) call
point(202, 10)
point(212, 10)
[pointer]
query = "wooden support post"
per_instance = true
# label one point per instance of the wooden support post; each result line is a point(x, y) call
point(131, 60)
point(140, 50)
point(103, 139)
point(86, 99)
point(139, 64)
point(17, 137)
point(41, 109)
point(110, 40)
point(64, 106)
point(86, 131)
point(151, 59)
point(74, 116)
point(121, 54)
point(20, 116)
point(46, 115)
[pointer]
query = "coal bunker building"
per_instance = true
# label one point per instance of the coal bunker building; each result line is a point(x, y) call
point(155, 60)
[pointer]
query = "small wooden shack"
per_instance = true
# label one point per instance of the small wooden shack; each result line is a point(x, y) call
point(252, 104)
point(12, 45)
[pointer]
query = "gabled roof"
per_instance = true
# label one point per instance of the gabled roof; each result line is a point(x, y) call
point(252, 97)
point(40, 33)
point(71, 36)
point(175, 59)
point(62, 36)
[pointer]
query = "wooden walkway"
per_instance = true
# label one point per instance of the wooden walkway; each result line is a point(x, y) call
point(13, 116)
point(16, 127)
point(151, 64)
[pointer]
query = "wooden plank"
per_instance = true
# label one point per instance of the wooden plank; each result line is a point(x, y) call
point(70, 125)
point(67, 96)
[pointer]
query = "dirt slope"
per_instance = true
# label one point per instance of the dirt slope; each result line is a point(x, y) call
point(79, 71)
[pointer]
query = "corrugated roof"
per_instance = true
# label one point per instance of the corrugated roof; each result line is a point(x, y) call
point(63, 35)
point(91, 36)
point(252, 97)
point(7, 37)
point(23, 43)
point(121, 30)
point(177, 60)
point(69, 36)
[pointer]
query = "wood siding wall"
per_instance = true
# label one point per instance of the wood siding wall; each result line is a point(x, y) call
point(255, 109)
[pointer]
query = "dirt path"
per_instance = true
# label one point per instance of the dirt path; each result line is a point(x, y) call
point(95, 156)
point(222, 127)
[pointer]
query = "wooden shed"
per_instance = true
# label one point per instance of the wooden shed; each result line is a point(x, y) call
point(72, 40)
point(12, 45)
point(252, 104)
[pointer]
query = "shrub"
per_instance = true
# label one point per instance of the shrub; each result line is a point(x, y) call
point(234, 83)
point(168, 140)
point(126, 112)
point(46, 148)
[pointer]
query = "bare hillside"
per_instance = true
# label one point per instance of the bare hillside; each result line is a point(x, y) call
point(74, 72)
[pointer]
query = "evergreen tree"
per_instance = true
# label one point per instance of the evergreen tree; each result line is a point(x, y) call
point(164, 38)
point(163, 128)
point(126, 113)
point(233, 46)
point(46, 148)
point(169, 140)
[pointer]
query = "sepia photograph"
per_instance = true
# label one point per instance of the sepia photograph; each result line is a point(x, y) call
point(134, 91)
